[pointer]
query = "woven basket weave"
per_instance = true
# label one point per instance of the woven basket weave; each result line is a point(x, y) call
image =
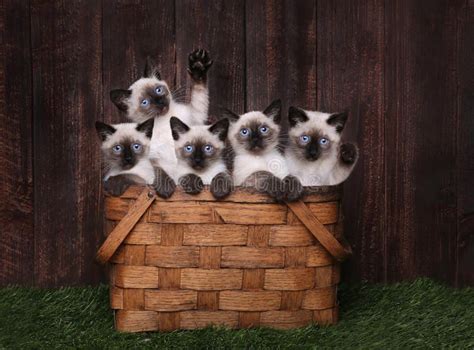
point(190, 261)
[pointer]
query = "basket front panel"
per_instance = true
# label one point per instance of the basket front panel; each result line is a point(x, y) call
point(191, 263)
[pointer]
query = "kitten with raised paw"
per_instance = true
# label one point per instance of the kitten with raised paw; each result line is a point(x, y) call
point(151, 97)
point(315, 155)
point(199, 150)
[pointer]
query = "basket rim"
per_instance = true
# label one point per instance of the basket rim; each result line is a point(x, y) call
point(240, 194)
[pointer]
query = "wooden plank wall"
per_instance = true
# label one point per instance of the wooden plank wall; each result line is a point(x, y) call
point(403, 69)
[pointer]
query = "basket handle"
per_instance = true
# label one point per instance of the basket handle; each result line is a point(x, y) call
point(123, 228)
point(327, 240)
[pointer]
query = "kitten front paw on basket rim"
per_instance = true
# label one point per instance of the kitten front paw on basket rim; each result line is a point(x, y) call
point(117, 185)
point(294, 190)
point(199, 63)
point(221, 185)
point(191, 184)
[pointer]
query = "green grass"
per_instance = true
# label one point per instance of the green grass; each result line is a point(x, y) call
point(422, 314)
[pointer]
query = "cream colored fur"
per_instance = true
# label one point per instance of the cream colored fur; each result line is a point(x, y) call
point(183, 168)
point(162, 143)
point(325, 171)
point(245, 163)
point(143, 169)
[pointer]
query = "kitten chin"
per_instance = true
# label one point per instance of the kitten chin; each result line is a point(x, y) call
point(315, 155)
point(199, 151)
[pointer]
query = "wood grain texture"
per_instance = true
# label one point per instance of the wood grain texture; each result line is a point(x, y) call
point(402, 69)
point(136, 276)
point(202, 279)
point(136, 321)
point(176, 300)
point(249, 257)
point(169, 256)
point(420, 111)
point(286, 67)
point(133, 30)
point(122, 230)
point(217, 26)
point(67, 88)
point(215, 235)
point(249, 301)
point(351, 77)
point(289, 279)
point(465, 147)
point(16, 168)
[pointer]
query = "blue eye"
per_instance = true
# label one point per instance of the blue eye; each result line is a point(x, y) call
point(244, 132)
point(117, 149)
point(208, 148)
point(323, 141)
point(145, 103)
point(188, 148)
point(137, 147)
point(159, 90)
point(305, 138)
point(264, 129)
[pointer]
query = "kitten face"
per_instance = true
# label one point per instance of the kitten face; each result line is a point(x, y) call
point(256, 132)
point(199, 146)
point(314, 135)
point(148, 97)
point(124, 145)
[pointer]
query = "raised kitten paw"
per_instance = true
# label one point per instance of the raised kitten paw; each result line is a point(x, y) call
point(191, 183)
point(199, 63)
point(117, 185)
point(349, 153)
point(221, 185)
point(293, 188)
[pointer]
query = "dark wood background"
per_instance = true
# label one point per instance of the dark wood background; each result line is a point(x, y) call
point(403, 68)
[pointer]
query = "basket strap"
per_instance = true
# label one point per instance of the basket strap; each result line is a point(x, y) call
point(327, 240)
point(123, 228)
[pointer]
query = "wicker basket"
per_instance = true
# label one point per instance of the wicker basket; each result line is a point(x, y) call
point(190, 261)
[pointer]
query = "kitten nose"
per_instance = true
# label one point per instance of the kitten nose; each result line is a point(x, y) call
point(256, 143)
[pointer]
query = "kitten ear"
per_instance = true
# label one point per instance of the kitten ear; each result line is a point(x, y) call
point(273, 111)
point(338, 120)
point(104, 130)
point(151, 69)
point(177, 127)
point(146, 127)
point(220, 129)
point(296, 115)
point(227, 113)
point(119, 97)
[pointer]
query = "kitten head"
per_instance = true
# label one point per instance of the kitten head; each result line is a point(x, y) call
point(146, 98)
point(124, 145)
point(256, 132)
point(314, 135)
point(199, 146)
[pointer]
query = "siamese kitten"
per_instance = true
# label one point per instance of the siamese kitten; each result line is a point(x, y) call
point(315, 154)
point(199, 150)
point(258, 161)
point(150, 97)
point(125, 148)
